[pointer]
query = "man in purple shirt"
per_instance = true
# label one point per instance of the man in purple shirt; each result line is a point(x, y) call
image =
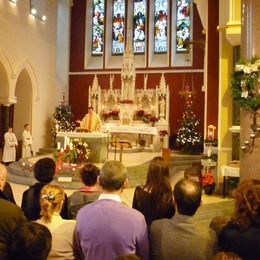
point(107, 228)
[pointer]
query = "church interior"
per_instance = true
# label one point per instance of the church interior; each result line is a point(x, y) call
point(160, 75)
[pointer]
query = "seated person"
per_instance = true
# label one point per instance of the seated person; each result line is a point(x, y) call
point(242, 233)
point(30, 241)
point(5, 188)
point(44, 170)
point(181, 237)
point(155, 200)
point(86, 194)
point(51, 200)
point(91, 122)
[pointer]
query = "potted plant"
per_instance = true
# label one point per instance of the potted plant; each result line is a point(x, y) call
point(208, 182)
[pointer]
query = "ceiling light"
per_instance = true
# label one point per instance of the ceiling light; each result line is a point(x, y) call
point(33, 11)
point(44, 18)
point(13, 1)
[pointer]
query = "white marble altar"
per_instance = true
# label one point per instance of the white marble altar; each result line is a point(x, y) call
point(97, 142)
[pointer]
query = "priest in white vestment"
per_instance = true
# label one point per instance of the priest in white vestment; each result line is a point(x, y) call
point(9, 154)
point(26, 141)
point(91, 121)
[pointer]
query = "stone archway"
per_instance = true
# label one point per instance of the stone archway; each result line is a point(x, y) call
point(23, 107)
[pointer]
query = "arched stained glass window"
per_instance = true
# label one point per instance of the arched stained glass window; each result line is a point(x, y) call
point(118, 29)
point(183, 25)
point(139, 26)
point(160, 26)
point(98, 16)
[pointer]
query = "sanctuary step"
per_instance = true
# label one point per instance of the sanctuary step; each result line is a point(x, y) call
point(46, 150)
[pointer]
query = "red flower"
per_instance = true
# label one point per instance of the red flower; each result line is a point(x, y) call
point(207, 179)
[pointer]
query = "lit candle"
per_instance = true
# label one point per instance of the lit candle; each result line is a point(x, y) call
point(58, 145)
point(65, 142)
point(246, 142)
point(243, 147)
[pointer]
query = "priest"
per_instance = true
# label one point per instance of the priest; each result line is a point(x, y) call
point(91, 121)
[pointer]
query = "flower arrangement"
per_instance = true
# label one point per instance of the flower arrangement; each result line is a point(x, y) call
point(139, 114)
point(114, 114)
point(76, 152)
point(153, 119)
point(207, 179)
point(245, 83)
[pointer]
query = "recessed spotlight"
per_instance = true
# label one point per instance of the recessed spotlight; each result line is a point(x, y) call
point(44, 18)
point(13, 1)
point(33, 11)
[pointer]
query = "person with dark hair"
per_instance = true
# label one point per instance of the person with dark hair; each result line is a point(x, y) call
point(86, 194)
point(44, 170)
point(91, 121)
point(107, 228)
point(5, 188)
point(51, 200)
point(181, 237)
point(30, 241)
point(154, 200)
point(242, 233)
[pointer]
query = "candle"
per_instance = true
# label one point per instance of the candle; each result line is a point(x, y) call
point(246, 142)
point(243, 147)
point(58, 145)
point(209, 152)
point(62, 150)
point(71, 146)
point(65, 142)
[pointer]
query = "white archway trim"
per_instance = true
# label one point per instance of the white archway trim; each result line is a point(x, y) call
point(6, 99)
point(26, 65)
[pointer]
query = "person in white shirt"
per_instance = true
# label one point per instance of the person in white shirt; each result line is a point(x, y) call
point(26, 141)
point(9, 154)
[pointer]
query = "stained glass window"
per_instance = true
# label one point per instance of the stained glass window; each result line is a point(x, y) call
point(183, 25)
point(139, 26)
point(160, 26)
point(98, 27)
point(118, 36)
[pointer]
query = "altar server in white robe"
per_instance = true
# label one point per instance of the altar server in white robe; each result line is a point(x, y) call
point(26, 141)
point(91, 121)
point(9, 147)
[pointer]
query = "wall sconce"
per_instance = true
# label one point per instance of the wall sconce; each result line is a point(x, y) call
point(248, 145)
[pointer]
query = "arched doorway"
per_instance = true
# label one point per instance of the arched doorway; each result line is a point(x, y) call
point(4, 111)
point(23, 107)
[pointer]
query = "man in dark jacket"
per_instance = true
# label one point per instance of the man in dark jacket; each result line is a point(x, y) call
point(44, 170)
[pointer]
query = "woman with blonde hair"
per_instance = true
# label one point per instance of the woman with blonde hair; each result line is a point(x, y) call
point(242, 233)
point(51, 201)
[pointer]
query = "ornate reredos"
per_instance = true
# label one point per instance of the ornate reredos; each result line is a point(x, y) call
point(154, 101)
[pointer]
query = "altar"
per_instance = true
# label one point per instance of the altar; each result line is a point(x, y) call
point(139, 135)
point(97, 143)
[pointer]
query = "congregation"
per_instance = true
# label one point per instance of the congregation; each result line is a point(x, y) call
point(93, 223)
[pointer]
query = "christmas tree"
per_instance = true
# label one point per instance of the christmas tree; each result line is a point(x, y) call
point(62, 119)
point(187, 137)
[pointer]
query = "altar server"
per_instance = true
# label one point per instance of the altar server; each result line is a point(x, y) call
point(91, 121)
point(27, 141)
point(9, 154)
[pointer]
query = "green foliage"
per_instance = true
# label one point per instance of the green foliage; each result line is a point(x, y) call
point(245, 83)
point(187, 136)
